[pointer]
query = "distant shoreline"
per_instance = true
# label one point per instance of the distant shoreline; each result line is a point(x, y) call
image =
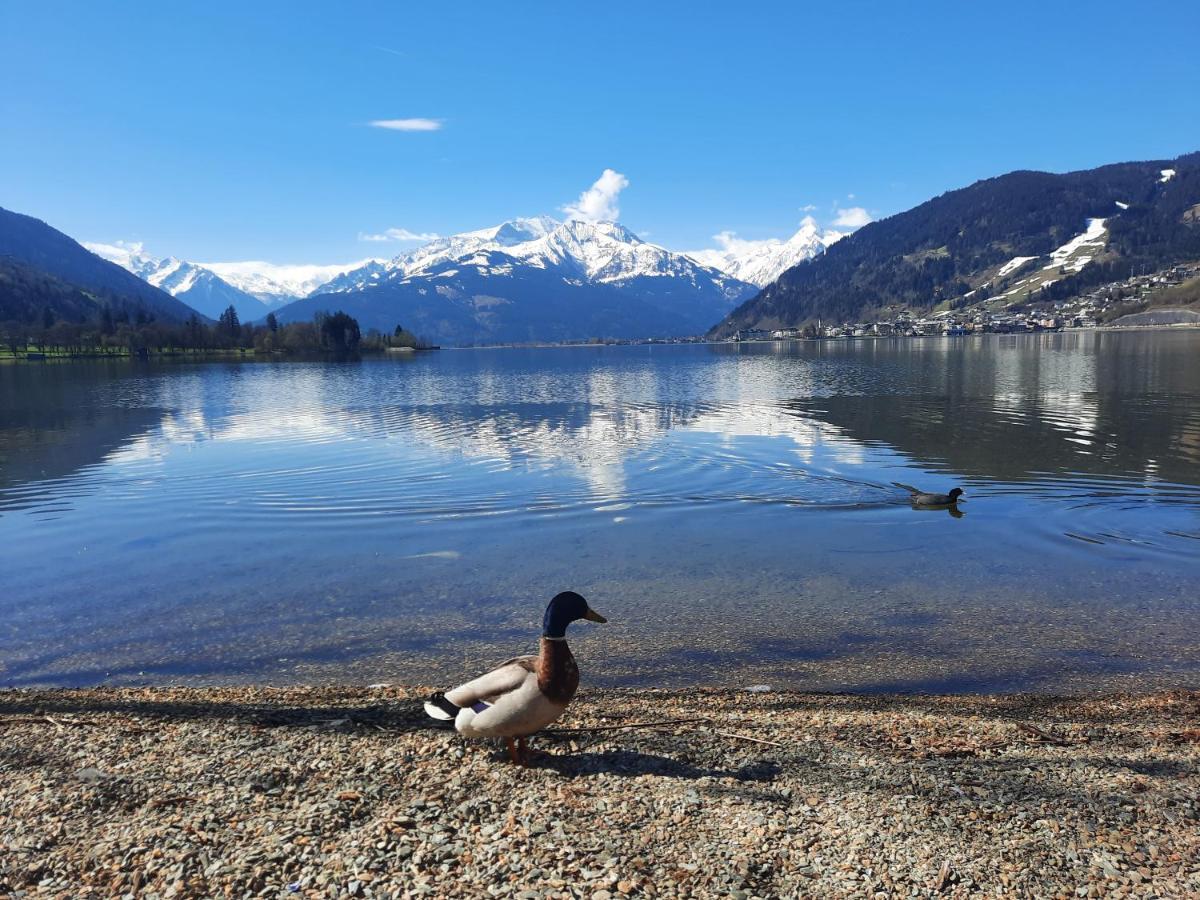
point(233, 355)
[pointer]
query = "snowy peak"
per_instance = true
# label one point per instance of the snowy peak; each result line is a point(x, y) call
point(761, 262)
point(590, 252)
point(172, 275)
point(274, 284)
point(517, 231)
point(197, 286)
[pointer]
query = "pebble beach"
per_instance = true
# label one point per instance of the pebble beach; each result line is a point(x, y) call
point(351, 792)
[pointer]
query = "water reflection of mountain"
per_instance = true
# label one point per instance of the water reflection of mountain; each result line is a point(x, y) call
point(1007, 438)
point(50, 428)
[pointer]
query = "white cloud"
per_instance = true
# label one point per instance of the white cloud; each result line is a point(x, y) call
point(854, 217)
point(408, 124)
point(809, 207)
point(729, 242)
point(399, 234)
point(599, 202)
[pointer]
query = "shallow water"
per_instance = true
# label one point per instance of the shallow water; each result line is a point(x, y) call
point(732, 510)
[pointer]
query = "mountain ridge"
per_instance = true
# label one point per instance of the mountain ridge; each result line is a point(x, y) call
point(484, 286)
point(33, 246)
point(950, 250)
point(199, 287)
point(761, 262)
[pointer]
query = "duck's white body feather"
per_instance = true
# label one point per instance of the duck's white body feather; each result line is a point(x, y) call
point(515, 707)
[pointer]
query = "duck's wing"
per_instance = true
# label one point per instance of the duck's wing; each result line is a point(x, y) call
point(931, 500)
point(507, 676)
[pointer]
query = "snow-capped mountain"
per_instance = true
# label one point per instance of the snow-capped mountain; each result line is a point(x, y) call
point(197, 286)
point(761, 262)
point(596, 252)
point(534, 279)
point(278, 284)
point(441, 250)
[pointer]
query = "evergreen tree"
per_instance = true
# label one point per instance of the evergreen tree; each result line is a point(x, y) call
point(229, 322)
point(339, 332)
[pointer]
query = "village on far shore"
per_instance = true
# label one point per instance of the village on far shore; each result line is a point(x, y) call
point(1116, 304)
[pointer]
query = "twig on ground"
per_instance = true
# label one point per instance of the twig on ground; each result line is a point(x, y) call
point(746, 737)
point(1045, 736)
point(943, 877)
point(657, 724)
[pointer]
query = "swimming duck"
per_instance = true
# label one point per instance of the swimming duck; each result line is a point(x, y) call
point(921, 498)
point(525, 694)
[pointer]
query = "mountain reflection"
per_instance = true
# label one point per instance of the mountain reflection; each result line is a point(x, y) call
point(772, 421)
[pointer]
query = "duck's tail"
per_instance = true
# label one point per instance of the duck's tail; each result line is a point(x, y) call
point(438, 707)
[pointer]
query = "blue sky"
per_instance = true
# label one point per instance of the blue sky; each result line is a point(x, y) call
point(219, 131)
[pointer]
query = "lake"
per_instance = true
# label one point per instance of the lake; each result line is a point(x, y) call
point(732, 509)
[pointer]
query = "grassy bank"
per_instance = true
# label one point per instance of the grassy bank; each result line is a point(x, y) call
point(335, 792)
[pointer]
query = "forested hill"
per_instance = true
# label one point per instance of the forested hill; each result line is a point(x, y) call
point(941, 251)
point(44, 267)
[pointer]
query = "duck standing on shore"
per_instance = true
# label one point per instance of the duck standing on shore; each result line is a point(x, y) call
point(525, 694)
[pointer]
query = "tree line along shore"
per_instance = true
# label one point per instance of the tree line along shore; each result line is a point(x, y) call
point(125, 332)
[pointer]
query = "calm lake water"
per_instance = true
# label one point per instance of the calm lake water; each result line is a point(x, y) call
point(730, 509)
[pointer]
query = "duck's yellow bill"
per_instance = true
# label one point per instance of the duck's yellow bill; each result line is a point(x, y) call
point(592, 616)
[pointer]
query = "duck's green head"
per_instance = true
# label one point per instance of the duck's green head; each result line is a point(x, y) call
point(564, 609)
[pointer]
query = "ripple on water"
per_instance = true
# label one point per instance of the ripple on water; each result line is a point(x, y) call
point(250, 503)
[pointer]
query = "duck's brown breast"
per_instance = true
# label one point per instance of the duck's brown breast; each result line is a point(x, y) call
point(557, 674)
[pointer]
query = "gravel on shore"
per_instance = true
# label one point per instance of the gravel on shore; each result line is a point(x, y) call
point(323, 792)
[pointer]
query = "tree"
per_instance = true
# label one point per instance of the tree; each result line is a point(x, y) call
point(339, 332)
point(229, 322)
point(402, 337)
point(272, 322)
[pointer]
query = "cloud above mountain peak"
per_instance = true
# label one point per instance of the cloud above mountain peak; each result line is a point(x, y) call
point(599, 202)
point(400, 235)
point(854, 217)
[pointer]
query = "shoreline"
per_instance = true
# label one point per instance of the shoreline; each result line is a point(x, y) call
point(348, 791)
point(250, 355)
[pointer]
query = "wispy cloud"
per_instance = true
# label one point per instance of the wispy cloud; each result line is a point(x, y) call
point(730, 243)
point(599, 202)
point(854, 217)
point(388, 50)
point(401, 235)
point(408, 124)
point(808, 207)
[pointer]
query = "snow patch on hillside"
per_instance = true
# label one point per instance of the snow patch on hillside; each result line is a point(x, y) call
point(1013, 264)
point(1074, 255)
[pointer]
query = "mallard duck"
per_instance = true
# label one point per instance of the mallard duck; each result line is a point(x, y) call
point(525, 694)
